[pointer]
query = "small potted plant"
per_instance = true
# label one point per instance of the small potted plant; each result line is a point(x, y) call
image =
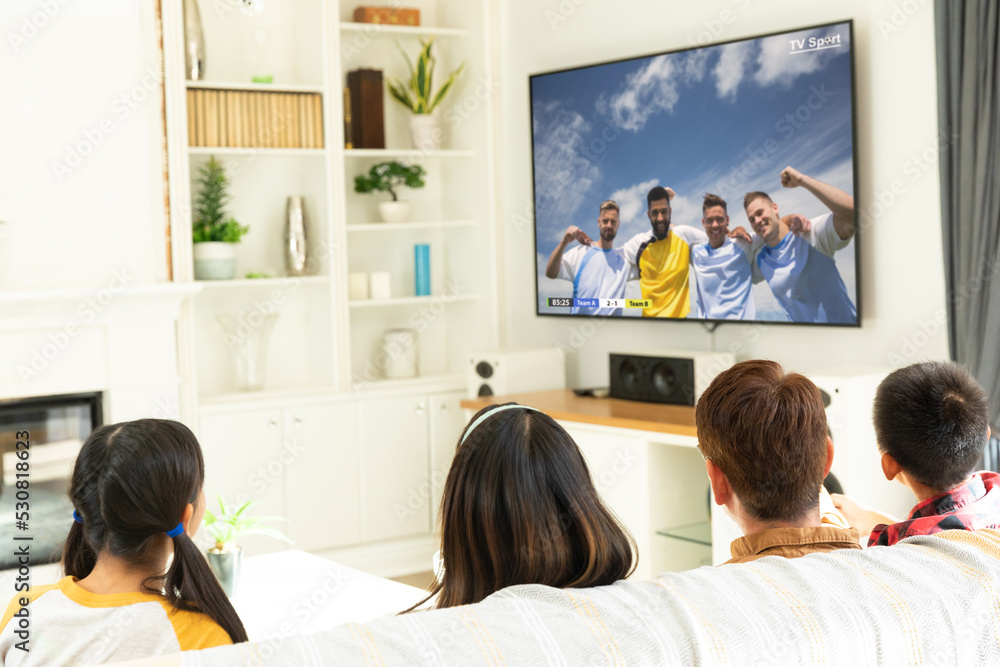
point(389, 177)
point(226, 527)
point(418, 95)
point(214, 233)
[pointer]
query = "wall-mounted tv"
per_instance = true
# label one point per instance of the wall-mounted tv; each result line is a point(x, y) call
point(713, 183)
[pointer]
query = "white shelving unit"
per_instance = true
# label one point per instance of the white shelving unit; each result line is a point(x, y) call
point(325, 350)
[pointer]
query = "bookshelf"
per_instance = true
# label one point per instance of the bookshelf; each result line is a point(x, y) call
point(324, 347)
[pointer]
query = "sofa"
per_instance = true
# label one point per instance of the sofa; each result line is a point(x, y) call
point(931, 600)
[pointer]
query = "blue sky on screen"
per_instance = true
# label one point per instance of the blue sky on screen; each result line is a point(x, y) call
point(724, 119)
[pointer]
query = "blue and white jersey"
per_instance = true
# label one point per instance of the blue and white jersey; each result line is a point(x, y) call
point(597, 274)
point(723, 280)
point(804, 278)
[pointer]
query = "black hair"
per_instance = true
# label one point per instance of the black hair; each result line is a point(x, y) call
point(932, 418)
point(520, 507)
point(656, 194)
point(131, 483)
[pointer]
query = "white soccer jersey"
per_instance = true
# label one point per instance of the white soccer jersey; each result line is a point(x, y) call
point(723, 280)
point(803, 276)
point(596, 274)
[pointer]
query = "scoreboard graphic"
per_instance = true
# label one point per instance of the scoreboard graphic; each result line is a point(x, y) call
point(567, 302)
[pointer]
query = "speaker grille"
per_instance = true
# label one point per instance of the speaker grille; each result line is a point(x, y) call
point(652, 379)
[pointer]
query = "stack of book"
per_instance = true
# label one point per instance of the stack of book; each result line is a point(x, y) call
point(254, 119)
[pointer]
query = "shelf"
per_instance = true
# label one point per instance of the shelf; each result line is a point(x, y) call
point(251, 152)
point(372, 29)
point(266, 87)
point(403, 226)
point(405, 152)
point(699, 533)
point(443, 382)
point(251, 398)
point(411, 300)
point(260, 283)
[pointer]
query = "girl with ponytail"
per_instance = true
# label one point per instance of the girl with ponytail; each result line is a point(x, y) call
point(138, 500)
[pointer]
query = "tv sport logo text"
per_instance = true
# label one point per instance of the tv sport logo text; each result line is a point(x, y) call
point(814, 44)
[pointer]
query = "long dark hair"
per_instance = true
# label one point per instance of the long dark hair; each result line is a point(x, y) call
point(519, 507)
point(131, 483)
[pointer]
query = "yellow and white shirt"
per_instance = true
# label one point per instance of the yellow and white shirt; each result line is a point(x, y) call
point(663, 269)
point(67, 625)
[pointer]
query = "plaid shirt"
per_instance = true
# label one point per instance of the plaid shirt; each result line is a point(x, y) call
point(971, 506)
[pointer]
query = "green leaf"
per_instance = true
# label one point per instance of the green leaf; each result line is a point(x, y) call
point(446, 87)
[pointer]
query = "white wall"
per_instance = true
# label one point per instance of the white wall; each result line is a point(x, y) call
point(902, 272)
point(81, 187)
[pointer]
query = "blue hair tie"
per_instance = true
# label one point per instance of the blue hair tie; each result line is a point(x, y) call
point(176, 530)
point(77, 517)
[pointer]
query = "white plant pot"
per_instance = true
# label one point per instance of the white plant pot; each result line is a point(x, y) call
point(394, 211)
point(214, 260)
point(426, 131)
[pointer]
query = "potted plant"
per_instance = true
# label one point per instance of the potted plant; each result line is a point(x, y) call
point(388, 177)
point(215, 234)
point(418, 95)
point(226, 527)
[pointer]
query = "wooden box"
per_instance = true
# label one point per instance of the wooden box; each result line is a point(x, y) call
point(367, 116)
point(387, 15)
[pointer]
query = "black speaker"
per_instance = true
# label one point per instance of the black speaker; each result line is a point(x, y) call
point(637, 377)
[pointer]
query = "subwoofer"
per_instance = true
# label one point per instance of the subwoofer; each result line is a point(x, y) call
point(516, 370)
point(673, 377)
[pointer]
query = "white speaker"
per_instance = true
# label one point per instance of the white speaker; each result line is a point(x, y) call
point(857, 463)
point(515, 370)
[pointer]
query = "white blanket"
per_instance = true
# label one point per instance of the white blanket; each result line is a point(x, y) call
point(929, 600)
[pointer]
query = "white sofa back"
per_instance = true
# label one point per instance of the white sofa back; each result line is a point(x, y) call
point(929, 600)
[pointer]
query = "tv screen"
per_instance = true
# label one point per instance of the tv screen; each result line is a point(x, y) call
point(712, 183)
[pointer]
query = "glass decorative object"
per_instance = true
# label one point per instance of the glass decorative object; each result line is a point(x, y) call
point(248, 336)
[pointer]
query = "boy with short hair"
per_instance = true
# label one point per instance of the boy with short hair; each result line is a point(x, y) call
point(931, 424)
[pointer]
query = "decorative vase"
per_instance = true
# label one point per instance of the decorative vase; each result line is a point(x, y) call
point(248, 335)
point(400, 349)
point(296, 237)
point(426, 131)
point(394, 211)
point(194, 42)
point(226, 564)
point(214, 260)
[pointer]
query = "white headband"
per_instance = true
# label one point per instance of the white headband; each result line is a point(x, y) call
point(490, 413)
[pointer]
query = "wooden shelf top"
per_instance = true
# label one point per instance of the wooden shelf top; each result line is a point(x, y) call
point(564, 405)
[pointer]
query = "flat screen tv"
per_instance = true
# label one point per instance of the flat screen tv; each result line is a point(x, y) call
point(713, 183)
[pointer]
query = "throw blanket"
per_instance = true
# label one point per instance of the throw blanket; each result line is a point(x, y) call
point(927, 600)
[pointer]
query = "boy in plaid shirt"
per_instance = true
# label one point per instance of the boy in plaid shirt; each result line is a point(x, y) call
point(931, 423)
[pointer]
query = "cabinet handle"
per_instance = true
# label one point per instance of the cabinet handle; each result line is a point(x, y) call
point(420, 408)
point(297, 419)
point(444, 407)
point(273, 422)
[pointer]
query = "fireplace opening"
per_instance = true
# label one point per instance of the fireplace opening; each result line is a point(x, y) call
point(58, 426)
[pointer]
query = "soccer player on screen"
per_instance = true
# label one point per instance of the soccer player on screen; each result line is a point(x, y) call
point(722, 268)
point(598, 270)
point(663, 257)
point(799, 268)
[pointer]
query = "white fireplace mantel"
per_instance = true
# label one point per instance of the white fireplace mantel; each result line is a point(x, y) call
point(120, 339)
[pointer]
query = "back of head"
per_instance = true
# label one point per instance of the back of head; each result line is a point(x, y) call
point(519, 507)
point(932, 417)
point(131, 483)
point(766, 431)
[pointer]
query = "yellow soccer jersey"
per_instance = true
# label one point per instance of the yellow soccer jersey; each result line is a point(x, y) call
point(663, 269)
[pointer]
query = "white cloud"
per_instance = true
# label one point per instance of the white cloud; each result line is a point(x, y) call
point(776, 65)
point(728, 70)
point(563, 176)
point(647, 91)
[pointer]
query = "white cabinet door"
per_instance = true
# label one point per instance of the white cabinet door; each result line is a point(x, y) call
point(396, 489)
point(243, 461)
point(322, 475)
point(447, 422)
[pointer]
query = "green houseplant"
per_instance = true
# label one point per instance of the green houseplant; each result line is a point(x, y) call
point(215, 234)
point(226, 527)
point(389, 177)
point(418, 95)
